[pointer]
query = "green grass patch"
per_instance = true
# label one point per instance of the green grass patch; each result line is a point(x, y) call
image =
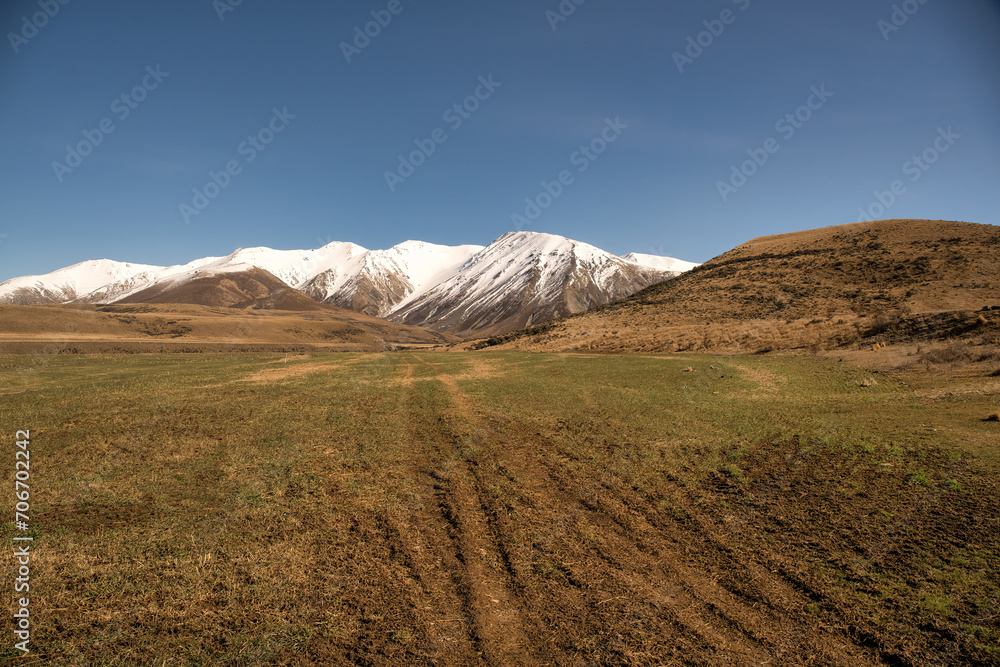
point(204, 509)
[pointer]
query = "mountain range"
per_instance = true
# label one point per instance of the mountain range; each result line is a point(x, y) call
point(520, 279)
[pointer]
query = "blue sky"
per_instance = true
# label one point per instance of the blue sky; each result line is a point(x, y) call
point(645, 142)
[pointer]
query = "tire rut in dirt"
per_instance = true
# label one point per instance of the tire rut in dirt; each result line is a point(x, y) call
point(609, 576)
point(753, 601)
point(438, 608)
point(718, 597)
point(585, 606)
point(655, 572)
point(474, 559)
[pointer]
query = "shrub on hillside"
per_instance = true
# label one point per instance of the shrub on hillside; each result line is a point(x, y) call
point(954, 353)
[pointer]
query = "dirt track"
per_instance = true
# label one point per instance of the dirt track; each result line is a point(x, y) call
point(515, 559)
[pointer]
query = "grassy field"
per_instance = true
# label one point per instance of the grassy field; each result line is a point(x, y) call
point(503, 508)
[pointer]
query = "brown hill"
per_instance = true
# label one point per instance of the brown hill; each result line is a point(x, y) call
point(838, 286)
point(57, 329)
point(249, 311)
point(369, 294)
point(253, 288)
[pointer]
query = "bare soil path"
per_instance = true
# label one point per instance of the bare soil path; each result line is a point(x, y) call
point(541, 563)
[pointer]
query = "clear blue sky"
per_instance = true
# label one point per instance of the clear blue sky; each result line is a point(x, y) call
point(654, 189)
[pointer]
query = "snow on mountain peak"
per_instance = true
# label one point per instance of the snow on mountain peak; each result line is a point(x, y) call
point(521, 278)
point(660, 262)
point(72, 282)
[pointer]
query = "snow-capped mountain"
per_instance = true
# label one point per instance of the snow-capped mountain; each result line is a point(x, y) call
point(292, 267)
point(74, 282)
point(519, 279)
point(523, 278)
point(381, 279)
point(658, 262)
point(153, 275)
point(342, 274)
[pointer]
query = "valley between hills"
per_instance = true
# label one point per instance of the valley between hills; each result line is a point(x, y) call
point(787, 455)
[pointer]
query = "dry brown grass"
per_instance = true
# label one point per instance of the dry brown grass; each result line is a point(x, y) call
point(440, 508)
point(53, 329)
point(867, 285)
point(284, 372)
